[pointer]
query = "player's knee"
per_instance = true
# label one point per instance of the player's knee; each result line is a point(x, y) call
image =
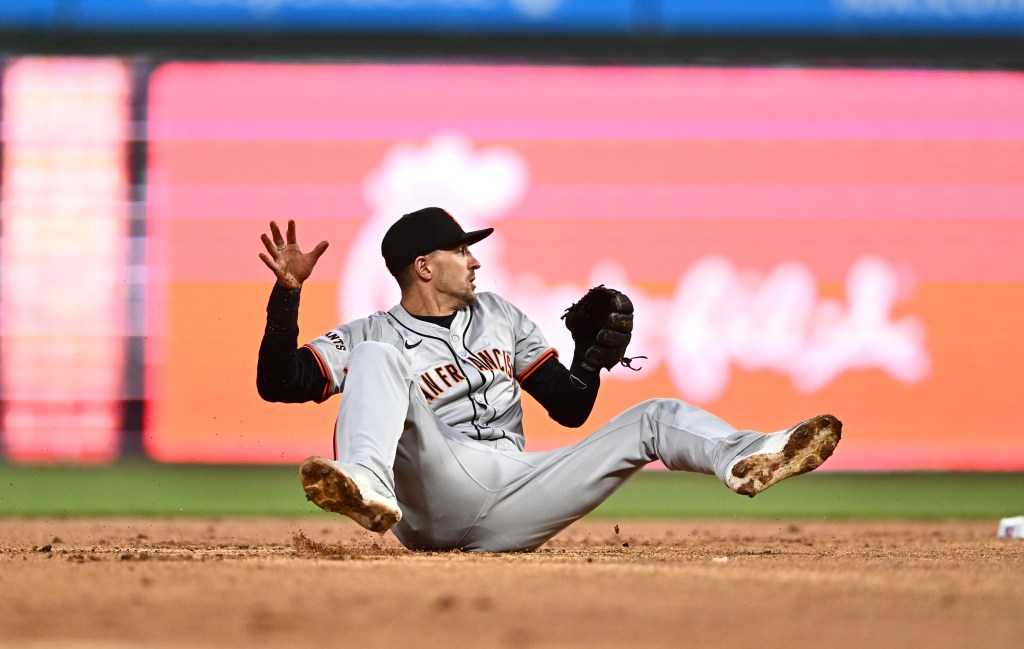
point(645, 415)
point(662, 406)
point(658, 412)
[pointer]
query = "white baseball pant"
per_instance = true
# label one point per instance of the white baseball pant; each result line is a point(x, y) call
point(459, 493)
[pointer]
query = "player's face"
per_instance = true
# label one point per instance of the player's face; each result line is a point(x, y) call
point(456, 272)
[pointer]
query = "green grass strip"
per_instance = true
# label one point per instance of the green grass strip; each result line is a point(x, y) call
point(912, 495)
point(148, 489)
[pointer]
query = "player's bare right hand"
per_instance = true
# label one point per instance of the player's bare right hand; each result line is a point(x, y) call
point(289, 263)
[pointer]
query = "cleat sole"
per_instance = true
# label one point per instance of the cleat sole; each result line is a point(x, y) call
point(809, 445)
point(330, 489)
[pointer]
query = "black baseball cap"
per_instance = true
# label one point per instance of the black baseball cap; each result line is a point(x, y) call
point(422, 232)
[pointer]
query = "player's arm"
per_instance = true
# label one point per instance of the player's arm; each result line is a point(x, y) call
point(283, 372)
point(568, 394)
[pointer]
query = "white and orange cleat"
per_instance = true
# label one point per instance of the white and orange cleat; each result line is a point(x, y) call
point(778, 456)
point(349, 490)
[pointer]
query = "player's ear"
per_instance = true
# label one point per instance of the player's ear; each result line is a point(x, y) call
point(422, 267)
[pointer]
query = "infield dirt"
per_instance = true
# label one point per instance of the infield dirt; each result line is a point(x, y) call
point(323, 582)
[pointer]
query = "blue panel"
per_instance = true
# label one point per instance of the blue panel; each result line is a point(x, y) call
point(28, 13)
point(820, 17)
point(939, 17)
point(376, 15)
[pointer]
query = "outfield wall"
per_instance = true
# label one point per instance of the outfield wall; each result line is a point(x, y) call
point(796, 241)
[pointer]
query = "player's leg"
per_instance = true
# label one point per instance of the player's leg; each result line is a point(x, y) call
point(360, 482)
point(566, 484)
point(395, 465)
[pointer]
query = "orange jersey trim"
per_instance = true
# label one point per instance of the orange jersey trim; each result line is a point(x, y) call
point(525, 374)
point(323, 371)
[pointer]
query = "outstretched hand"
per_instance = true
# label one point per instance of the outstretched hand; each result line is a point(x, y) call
point(291, 265)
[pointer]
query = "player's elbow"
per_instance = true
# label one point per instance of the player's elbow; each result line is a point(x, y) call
point(277, 390)
point(266, 390)
point(273, 390)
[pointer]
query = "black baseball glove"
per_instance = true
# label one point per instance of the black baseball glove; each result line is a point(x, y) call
point(602, 324)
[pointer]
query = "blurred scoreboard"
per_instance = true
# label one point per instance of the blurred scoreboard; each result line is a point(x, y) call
point(63, 258)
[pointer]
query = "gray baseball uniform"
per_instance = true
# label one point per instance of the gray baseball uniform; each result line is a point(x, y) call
point(435, 414)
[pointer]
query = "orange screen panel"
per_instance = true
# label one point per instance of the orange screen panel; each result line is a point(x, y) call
point(795, 241)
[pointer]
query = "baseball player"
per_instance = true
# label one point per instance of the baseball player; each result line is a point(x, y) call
point(429, 440)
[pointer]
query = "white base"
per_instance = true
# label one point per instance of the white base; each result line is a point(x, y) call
point(1011, 528)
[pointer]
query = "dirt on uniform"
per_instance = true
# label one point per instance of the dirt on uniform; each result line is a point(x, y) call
point(324, 582)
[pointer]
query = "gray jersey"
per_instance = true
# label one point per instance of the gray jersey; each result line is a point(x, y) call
point(469, 374)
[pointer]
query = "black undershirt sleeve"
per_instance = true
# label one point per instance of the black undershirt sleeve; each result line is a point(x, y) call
point(283, 373)
point(567, 394)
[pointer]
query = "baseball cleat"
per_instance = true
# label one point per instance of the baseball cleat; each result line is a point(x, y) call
point(348, 491)
point(781, 455)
